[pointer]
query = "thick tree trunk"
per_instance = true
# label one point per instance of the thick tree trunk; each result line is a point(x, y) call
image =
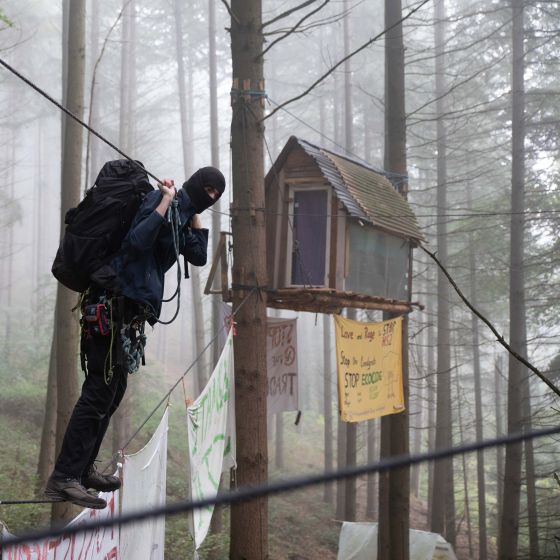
point(67, 323)
point(394, 487)
point(443, 500)
point(509, 527)
point(249, 520)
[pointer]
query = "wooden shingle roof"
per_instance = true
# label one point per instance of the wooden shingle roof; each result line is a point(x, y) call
point(364, 191)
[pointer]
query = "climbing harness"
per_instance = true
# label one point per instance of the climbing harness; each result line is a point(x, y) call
point(112, 317)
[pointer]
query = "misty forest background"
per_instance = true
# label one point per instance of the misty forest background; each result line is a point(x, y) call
point(459, 63)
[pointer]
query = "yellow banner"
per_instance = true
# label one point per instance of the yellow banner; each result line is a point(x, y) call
point(369, 365)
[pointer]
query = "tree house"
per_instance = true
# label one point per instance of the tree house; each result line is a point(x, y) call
point(339, 234)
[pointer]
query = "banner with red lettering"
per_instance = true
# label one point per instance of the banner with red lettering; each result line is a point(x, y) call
point(101, 544)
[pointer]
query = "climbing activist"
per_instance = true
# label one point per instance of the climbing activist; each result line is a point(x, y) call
point(167, 224)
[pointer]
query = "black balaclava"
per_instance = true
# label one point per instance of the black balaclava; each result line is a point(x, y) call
point(205, 176)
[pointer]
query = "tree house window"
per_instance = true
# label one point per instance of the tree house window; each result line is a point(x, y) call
point(378, 262)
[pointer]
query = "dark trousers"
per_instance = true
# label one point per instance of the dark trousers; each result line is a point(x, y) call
point(91, 415)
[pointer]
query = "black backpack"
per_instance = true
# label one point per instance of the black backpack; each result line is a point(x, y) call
point(96, 228)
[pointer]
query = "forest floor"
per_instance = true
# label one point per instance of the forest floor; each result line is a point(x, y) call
point(302, 526)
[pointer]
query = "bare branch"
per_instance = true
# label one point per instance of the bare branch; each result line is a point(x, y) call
point(228, 8)
point(294, 28)
point(287, 13)
point(343, 60)
point(498, 336)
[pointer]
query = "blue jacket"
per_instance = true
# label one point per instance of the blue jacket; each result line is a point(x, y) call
point(147, 251)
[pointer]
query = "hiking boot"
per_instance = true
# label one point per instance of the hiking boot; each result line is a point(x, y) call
point(102, 482)
point(70, 490)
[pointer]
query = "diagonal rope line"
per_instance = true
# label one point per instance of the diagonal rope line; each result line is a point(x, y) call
point(498, 336)
point(72, 115)
point(176, 384)
point(281, 487)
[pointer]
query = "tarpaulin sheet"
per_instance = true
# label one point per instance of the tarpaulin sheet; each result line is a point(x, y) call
point(211, 430)
point(358, 541)
point(144, 485)
point(100, 544)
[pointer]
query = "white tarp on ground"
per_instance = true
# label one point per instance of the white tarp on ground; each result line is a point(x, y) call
point(101, 544)
point(358, 541)
point(144, 486)
point(211, 429)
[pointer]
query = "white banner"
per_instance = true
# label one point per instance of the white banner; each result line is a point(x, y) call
point(282, 370)
point(144, 485)
point(211, 429)
point(281, 360)
point(100, 544)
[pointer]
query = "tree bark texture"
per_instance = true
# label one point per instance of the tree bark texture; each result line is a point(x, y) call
point(443, 500)
point(394, 486)
point(67, 323)
point(509, 526)
point(249, 520)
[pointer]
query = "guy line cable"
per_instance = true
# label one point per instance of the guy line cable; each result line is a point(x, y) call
point(70, 114)
point(280, 487)
point(175, 385)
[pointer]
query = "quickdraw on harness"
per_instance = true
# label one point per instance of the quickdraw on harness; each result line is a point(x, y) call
point(105, 317)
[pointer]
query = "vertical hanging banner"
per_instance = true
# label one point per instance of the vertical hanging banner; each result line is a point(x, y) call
point(369, 366)
point(99, 544)
point(281, 360)
point(282, 370)
point(211, 430)
point(144, 486)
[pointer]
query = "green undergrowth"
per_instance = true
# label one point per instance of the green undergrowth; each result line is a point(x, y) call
point(301, 525)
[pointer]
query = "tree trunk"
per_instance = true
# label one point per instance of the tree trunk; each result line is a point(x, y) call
point(509, 527)
point(348, 132)
point(67, 324)
point(214, 154)
point(216, 526)
point(479, 420)
point(532, 512)
point(121, 419)
point(372, 454)
point(48, 433)
point(443, 501)
point(467, 513)
point(340, 464)
point(498, 386)
point(431, 400)
point(328, 494)
point(249, 520)
point(394, 487)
